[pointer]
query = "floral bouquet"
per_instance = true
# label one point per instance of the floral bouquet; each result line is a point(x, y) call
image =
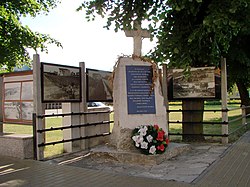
point(150, 139)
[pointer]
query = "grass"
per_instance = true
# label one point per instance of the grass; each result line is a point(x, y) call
point(17, 129)
point(52, 136)
point(174, 128)
point(208, 128)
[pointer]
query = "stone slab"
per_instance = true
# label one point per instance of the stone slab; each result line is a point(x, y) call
point(16, 145)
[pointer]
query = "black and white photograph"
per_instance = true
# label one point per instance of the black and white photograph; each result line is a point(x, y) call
point(12, 110)
point(27, 110)
point(99, 85)
point(12, 91)
point(27, 90)
point(60, 83)
point(200, 83)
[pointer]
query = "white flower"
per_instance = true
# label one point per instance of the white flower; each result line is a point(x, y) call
point(152, 149)
point(144, 145)
point(140, 139)
point(137, 139)
point(143, 131)
point(149, 138)
point(137, 145)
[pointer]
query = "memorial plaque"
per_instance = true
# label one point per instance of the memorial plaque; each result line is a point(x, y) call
point(140, 98)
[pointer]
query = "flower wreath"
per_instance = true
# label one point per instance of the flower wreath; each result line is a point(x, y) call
point(150, 139)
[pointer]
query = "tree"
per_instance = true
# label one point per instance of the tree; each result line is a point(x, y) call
point(121, 13)
point(218, 31)
point(16, 38)
point(191, 33)
point(239, 61)
point(198, 33)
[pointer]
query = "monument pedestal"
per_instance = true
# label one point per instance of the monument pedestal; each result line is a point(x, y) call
point(135, 103)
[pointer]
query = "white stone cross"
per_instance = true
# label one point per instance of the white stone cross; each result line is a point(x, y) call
point(138, 34)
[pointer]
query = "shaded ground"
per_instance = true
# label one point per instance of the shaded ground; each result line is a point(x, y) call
point(183, 168)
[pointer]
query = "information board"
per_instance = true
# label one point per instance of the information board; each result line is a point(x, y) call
point(17, 101)
point(140, 97)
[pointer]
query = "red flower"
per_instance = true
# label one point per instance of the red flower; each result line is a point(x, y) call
point(160, 135)
point(167, 141)
point(156, 127)
point(161, 147)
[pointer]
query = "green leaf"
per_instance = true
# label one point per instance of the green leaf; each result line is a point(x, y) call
point(177, 8)
point(155, 19)
point(176, 51)
point(16, 38)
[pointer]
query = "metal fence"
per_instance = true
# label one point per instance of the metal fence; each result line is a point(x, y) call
point(37, 132)
point(226, 123)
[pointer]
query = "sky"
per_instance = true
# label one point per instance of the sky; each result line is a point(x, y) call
point(82, 41)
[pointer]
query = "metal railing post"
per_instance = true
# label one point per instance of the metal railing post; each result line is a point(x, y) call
point(34, 136)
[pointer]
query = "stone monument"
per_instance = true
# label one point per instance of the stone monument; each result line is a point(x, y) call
point(138, 98)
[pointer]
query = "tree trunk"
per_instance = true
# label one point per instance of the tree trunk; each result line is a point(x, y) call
point(244, 95)
point(189, 128)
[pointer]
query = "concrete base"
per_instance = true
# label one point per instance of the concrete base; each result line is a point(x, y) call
point(135, 157)
point(121, 139)
point(93, 142)
point(17, 145)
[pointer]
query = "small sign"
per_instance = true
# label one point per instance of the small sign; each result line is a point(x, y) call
point(140, 97)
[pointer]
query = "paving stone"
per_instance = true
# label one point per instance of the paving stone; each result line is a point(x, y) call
point(199, 165)
point(149, 175)
point(186, 178)
point(217, 149)
point(185, 167)
point(203, 147)
point(188, 171)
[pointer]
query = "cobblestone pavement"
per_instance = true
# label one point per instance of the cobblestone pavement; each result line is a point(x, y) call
point(183, 168)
